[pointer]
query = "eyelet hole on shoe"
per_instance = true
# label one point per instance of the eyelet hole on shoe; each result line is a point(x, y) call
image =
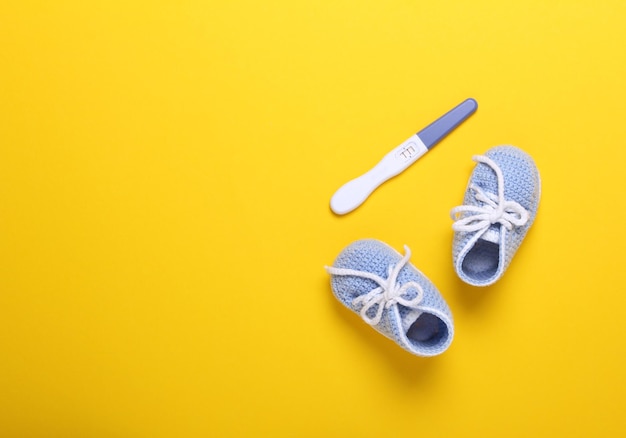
point(427, 330)
point(482, 261)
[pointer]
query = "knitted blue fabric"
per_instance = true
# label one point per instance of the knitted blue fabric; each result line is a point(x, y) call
point(423, 327)
point(482, 252)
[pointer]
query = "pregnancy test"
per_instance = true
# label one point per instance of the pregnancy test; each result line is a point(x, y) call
point(355, 192)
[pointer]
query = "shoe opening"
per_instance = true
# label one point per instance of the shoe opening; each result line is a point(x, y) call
point(482, 261)
point(427, 330)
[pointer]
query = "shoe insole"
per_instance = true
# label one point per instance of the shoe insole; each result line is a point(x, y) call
point(426, 328)
point(481, 262)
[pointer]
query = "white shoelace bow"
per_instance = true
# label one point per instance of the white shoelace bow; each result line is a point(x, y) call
point(387, 293)
point(496, 209)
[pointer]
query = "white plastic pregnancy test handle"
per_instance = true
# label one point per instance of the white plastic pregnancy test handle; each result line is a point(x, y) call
point(355, 192)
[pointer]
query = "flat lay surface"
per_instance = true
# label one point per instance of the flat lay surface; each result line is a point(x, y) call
point(166, 170)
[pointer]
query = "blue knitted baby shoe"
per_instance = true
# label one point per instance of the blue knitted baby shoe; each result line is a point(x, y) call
point(372, 279)
point(500, 205)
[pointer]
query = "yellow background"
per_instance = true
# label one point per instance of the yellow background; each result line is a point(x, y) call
point(165, 174)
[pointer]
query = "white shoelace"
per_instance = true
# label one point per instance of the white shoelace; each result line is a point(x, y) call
point(496, 209)
point(388, 292)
